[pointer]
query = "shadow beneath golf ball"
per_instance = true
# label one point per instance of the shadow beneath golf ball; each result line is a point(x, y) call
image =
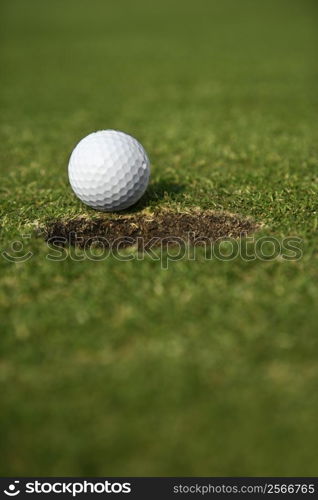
point(157, 191)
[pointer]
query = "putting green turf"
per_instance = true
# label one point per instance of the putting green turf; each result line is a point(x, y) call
point(125, 368)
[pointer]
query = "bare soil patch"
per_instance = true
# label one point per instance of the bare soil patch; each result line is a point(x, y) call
point(145, 230)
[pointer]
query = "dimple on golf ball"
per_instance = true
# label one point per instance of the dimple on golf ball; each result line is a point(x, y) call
point(109, 170)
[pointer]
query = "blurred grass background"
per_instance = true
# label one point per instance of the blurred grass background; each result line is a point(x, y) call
point(123, 368)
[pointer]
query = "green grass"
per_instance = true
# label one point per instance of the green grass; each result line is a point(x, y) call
point(123, 368)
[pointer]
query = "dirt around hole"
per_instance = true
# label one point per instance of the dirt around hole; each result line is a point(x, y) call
point(144, 230)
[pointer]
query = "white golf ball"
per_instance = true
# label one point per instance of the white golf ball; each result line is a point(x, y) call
point(109, 170)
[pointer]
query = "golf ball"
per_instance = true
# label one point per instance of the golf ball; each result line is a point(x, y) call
point(109, 170)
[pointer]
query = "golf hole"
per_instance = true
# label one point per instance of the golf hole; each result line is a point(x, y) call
point(144, 230)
